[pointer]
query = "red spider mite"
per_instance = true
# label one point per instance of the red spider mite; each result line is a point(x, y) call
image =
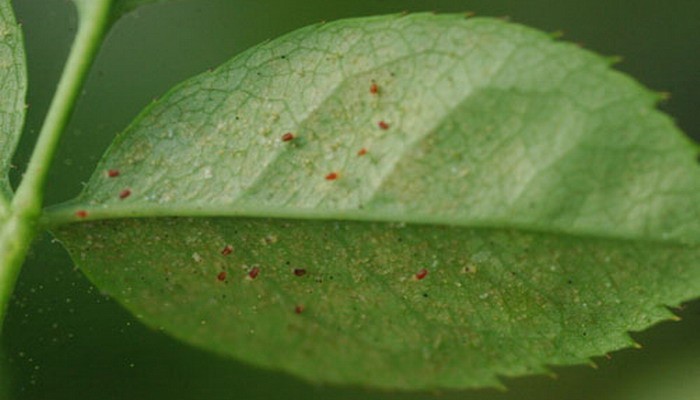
point(81, 214)
point(222, 276)
point(374, 88)
point(421, 274)
point(113, 173)
point(228, 249)
point(289, 136)
point(362, 152)
point(299, 309)
point(254, 272)
point(124, 194)
point(332, 176)
point(299, 271)
point(383, 125)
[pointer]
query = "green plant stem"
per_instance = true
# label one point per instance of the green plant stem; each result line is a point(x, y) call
point(20, 228)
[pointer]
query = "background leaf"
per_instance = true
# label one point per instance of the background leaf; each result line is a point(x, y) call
point(488, 129)
point(122, 7)
point(13, 86)
point(100, 351)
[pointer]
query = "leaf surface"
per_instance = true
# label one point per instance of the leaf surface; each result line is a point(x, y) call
point(405, 202)
point(13, 87)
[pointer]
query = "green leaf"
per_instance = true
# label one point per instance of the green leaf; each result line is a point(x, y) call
point(122, 7)
point(551, 206)
point(13, 87)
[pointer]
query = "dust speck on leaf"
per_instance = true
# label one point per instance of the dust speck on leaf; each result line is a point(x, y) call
point(269, 239)
point(196, 257)
point(208, 174)
point(469, 269)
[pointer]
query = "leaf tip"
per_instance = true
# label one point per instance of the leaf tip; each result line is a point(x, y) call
point(662, 96)
point(558, 34)
point(614, 60)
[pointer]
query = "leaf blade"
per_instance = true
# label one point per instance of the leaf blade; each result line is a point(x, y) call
point(494, 302)
point(476, 127)
point(13, 80)
point(260, 184)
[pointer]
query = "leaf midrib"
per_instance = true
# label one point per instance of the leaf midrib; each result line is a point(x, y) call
point(64, 214)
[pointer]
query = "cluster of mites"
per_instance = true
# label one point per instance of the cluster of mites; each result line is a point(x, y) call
point(287, 137)
point(254, 272)
point(331, 176)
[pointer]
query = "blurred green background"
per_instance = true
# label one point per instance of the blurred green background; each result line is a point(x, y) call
point(64, 340)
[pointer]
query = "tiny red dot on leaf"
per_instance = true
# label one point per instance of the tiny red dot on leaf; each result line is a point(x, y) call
point(299, 271)
point(374, 88)
point(81, 214)
point(383, 125)
point(299, 309)
point(421, 274)
point(228, 249)
point(113, 173)
point(124, 194)
point(362, 152)
point(332, 176)
point(254, 272)
point(289, 136)
point(222, 276)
